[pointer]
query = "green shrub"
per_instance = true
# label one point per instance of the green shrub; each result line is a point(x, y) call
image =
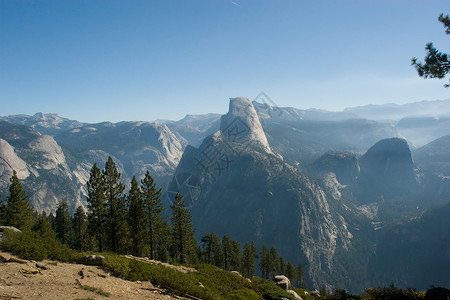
point(391, 292)
point(175, 281)
point(30, 245)
point(301, 293)
point(244, 294)
point(268, 289)
point(27, 244)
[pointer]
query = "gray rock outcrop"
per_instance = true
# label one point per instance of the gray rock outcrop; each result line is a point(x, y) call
point(282, 281)
point(241, 124)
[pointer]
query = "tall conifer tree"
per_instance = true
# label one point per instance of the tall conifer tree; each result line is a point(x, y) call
point(231, 253)
point(79, 225)
point(136, 218)
point(299, 275)
point(63, 223)
point(248, 260)
point(290, 271)
point(43, 227)
point(18, 212)
point(117, 231)
point(183, 241)
point(264, 262)
point(97, 206)
point(157, 227)
point(212, 250)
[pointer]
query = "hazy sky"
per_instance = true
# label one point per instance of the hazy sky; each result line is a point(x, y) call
point(144, 60)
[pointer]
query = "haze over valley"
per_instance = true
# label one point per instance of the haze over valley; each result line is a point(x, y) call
point(371, 183)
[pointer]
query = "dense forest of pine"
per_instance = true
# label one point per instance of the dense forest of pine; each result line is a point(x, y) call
point(134, 222)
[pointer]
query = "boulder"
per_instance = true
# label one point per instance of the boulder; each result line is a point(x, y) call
point(293, 293)
point(315, 293)
point(282, 281)
point(42, 266)
point(92, 260)
point(2, 228)
point(237, 273)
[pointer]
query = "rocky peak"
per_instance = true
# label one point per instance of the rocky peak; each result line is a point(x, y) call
point(343, 164)
point(387, 170)
point(242, 121)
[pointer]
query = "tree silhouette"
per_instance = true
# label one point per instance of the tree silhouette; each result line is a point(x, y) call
point(437, 64)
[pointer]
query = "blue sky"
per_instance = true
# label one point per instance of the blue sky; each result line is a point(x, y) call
point(110, 60)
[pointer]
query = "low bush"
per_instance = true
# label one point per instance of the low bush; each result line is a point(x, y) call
point(30, 245)
point(391, 292)
point(95, 290)
point(209, 282)
point(268, 289)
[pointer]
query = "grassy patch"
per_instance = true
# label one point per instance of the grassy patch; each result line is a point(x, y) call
point(209, 282)
point(95, 290)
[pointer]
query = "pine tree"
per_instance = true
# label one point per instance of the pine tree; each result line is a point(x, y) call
point(264, 262)
point(212, 250)
point(79, 225)
point(231, 253)
point(274, 261)
point(183, 242)
point(117, 231)
point(43, 227)
point(3, 214)
point(437, 64)
point(18, 212)
point(236, 256)
point(63, 224)
point(97, 206)
point(157, 227)
point(226, 249)
point(299, 275)
point(248, 260)
point(281, 266)
point(290, 271)
point(136, 218)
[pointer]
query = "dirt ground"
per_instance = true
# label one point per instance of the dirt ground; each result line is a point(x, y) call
point(68, 281)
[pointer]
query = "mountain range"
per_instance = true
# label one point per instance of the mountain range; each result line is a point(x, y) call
point(348, 194)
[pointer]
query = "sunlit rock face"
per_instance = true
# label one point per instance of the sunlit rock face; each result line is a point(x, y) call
point(242, 122)
point(41, 165)
point(235, 184)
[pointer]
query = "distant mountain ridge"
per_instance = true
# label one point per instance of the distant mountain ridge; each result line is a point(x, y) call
point(45, 123)
point(323, 187)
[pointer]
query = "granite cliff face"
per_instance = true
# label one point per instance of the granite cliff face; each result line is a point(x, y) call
point(435, 156)
point(340, 195)
point(344, 165)
point(41, 165)
point(137, 145)
point(234, 184)
point(242, 122)
point(387, 171)
point(55, 170)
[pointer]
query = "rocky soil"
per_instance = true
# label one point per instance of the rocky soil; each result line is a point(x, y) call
point(25, 279)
